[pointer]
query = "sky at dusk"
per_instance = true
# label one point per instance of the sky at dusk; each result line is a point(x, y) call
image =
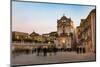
point(42, 17)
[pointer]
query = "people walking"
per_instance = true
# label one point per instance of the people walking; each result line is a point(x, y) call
point(44, 51)
point(38, 51)
point(50, 50)
point(54, 50)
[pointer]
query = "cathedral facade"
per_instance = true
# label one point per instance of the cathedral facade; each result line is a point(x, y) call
point(66, 33)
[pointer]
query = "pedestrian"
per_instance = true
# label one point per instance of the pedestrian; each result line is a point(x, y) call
point(54, 50)
point(45, 51)
point(33, 50)
point(38, 51)
point(50, 50)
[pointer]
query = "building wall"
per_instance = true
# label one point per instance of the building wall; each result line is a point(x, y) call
point(20, 36)
point(86, 35)
point(66, 33)
point(93, 26)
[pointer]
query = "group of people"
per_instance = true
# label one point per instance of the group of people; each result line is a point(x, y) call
point(44, 50)
point(80, 50)
point(20, 51)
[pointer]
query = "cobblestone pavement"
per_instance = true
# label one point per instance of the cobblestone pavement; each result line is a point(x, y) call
point(59, 57)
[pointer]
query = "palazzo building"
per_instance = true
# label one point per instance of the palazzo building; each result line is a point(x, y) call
point(86, 32)
point(20, 36)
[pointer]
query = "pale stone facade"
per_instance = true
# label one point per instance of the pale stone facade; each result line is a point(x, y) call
point(66, 33)
point(86, 32)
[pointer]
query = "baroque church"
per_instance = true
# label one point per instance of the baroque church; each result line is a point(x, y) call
point(66, 33)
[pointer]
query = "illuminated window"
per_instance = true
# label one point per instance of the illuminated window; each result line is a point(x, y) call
point(17, 37)
point(26, 37)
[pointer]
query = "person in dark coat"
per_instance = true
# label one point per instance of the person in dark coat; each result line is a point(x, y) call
point(38, 51)
point(54, 50)
point(45, 51)
point(50, 50)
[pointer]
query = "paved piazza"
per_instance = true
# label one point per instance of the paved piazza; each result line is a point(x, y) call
point(59, 57)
